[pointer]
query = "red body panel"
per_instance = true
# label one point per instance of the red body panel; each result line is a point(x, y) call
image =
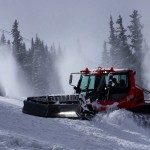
point(134, 98)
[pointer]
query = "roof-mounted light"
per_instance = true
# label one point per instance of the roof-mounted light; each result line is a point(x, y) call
point(86, 71)
point(99, 69)
point(111, 69)
point(105, 71)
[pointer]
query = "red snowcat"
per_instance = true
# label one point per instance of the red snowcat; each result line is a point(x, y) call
point(99, 90)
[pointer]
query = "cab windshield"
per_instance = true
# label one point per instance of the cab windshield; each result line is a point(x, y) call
point(92, 82)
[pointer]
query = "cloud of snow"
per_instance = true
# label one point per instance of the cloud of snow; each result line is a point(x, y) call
point(12, 79)
point(146, 70)
point(75, 59)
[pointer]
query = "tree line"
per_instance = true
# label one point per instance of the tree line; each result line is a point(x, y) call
point(124, 47)
point(37, 62)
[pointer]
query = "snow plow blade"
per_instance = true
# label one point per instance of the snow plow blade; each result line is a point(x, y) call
point(51, 106)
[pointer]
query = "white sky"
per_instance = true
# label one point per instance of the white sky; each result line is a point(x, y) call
point(66, 21)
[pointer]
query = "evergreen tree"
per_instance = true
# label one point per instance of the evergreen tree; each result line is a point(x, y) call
point(113, 43)
point(8, 43)
point(40, 72)
point(54, 78)
point(44, 75)
point(29, 64)
point(23, 49)
point(36, 65)
point(123, 53)
point(17, 44)
point(121, 32)
point(136, 38)
point(24, 55)
point(3, 40)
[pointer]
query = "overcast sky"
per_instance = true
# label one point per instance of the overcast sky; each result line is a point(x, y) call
point(66, 21)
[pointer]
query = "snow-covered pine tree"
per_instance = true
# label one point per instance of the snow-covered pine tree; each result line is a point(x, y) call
point(136, 38)
point(54, 79)
point(36, 66)
point(40, 67)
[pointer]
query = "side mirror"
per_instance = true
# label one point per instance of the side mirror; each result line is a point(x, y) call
point(70, 79)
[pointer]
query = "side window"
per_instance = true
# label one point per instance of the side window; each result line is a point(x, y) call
point(122, 80)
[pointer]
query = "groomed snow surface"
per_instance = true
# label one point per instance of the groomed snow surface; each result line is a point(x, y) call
point(115, 131)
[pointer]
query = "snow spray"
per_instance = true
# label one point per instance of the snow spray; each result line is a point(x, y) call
point(11, 77)
point(74, 59)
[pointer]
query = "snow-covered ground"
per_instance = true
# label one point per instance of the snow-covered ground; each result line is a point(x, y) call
point(114, 131)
